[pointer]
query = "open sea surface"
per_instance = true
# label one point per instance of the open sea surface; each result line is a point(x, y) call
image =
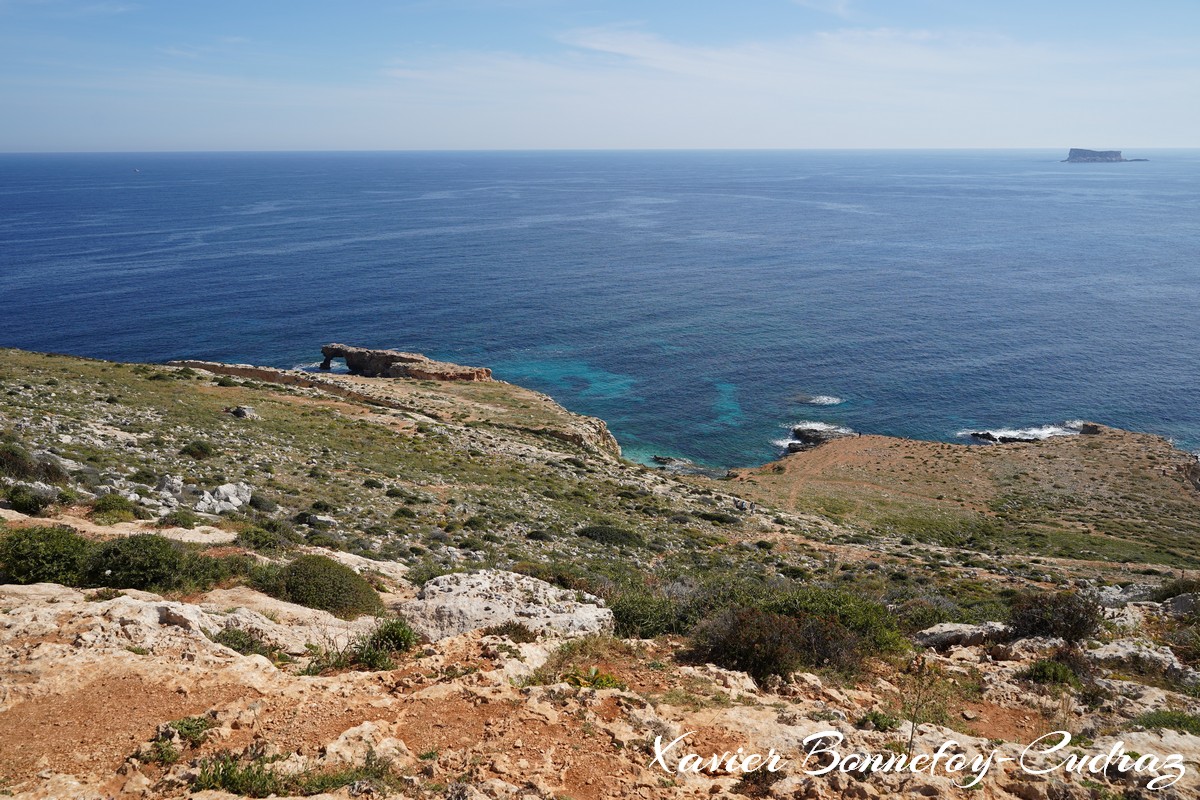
point(700, 302)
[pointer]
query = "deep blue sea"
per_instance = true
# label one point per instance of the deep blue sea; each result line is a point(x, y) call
point(700, 302)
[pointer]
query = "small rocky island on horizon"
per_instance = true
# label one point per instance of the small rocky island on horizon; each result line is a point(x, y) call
point(1078, 155)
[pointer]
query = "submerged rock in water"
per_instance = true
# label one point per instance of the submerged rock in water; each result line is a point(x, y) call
point(988, 436)
point(682, 466)
point(809, 436)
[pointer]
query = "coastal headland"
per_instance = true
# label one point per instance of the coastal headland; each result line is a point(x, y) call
point(522, 613)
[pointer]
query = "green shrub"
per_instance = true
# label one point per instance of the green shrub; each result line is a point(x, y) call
point(44, 555)
point(225, 772)
point(243, 642)
point(644, 614)
point(593, 678)
point(263, 504)
point(719, 517)
point(25, 500)
point(1175, 588)
point(611, 535)
point(320, 582)
point(268, 579)
point(870, 621)
point(144, 476)
point(261, 539)
point(146, 561)
point(163, 752)
point(193, 729)
point(918, 613)
point(181, 518)
point(371, 658)
point(513, 631)
point(1072, 616)
point(16, 462)
point(1050, 672)
point(763, 643)
point(877, 720)
point(198, 449)
point(393, 636)
point(112, 508)
point(1171, 720)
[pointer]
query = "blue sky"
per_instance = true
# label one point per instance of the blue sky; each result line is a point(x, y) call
point(88, 75)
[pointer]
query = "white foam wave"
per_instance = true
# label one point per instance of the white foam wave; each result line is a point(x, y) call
point(819, 400)
point(812, 425)
point(1070, 428)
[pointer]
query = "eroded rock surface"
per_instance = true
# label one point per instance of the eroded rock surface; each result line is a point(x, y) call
point(397, 364)
point(457, 603)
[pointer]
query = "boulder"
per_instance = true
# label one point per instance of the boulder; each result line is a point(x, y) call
point(1182, 605)
point(957, 634)
point(1118, 596)
point(460, 602)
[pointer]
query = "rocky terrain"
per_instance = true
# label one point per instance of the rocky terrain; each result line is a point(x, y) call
point(542, 611)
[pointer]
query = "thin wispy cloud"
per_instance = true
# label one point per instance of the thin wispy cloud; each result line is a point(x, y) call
point(831, 80)
point(837, 8)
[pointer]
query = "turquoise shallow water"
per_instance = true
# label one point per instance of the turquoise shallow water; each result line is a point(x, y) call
point(697, 301)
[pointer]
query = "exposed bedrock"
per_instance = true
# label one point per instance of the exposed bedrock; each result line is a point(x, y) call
point(397, 364)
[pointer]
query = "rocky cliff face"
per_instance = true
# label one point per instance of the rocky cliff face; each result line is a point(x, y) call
point(397, 364)
point(1079, 155)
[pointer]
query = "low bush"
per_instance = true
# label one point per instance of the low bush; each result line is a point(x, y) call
point(645, 614)
point(193, 729)
point(264, 504)
point(719, 517)
point(611, 535)
point(918, 613)
point(1171, 720)
point(576, 661)
point(153, 563)
point(254, 777)
point(198, 449)
point(866, 619)
point(16, 462)
point(765, 643)
point(1050, 672)
point(263, 540)
point(143, 562)
point(878, 721)
point(1069, 615)
point(24, 500)
point(393, 636)
point(243, 642)
point(180, 518)
point(320, 582)
point(44, 555)
point(372, 651)
point(112, 508)
point(513, 631)
point(1175, 588)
